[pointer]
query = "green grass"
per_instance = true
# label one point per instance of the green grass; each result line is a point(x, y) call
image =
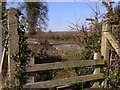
point(68, 54)
point(34, 40)
point(64, 42)
point(71, 54)
point(55, 41)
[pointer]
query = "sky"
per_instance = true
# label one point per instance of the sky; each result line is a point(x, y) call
point(62, 14)
point(60, 0)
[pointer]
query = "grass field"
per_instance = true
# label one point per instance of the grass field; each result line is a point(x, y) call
point(71, 54)
point(55, 41)
point(63, 42)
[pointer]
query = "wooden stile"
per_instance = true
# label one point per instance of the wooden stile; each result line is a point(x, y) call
point(108, 39)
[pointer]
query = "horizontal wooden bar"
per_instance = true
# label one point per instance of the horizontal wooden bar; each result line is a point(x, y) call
point(115, 25)
point(66, 81)
point(113, 41)
point(60, 65)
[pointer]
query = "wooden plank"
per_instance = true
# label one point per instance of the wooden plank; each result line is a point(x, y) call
point(63, 87)
point(1, 39)
point(31, 78)
point(66, 81)
point(97, 55)
point(1, 47)
point(2, 60)
point(113, 42)
point(115, 25)
point(1, 64)
point(92, 88)
point(60, 65)
point(104, 42)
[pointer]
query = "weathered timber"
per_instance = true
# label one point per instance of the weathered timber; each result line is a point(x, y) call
point(31, 78)
point(13, 25)
point(105, 50)
point(1, 64)
point(115, 25)
point(63, 87)
point(66, 81)
point(97, 56)
point(92, 88)
point(60, 65)
point(1, 40)
point(2, 59)
point(113, 42)
point(1, 32)
point(1, 84)
point(104, 42)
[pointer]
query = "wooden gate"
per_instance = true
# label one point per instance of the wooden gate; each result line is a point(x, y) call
point(107, 39)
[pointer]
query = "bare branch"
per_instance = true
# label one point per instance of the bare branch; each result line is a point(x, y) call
point(91, 8)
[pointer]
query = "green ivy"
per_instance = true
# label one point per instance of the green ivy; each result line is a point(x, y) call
point(21, 55)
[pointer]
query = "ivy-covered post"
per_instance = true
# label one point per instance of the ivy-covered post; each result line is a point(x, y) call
point(13, 24)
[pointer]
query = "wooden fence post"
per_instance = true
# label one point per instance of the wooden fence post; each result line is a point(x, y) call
point(0, 53)
point(1, 36)
point(97, 56)
point(13, 25)
point(32, 61)
point(105, 46)
point(104, 43)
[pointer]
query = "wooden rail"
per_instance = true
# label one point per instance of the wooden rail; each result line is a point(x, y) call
point(113, 42)
point(60, 65)
point(66, 81)
point(68, 64)
point(1, 66)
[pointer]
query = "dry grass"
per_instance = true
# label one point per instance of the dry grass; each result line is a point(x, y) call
point(61, 36)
